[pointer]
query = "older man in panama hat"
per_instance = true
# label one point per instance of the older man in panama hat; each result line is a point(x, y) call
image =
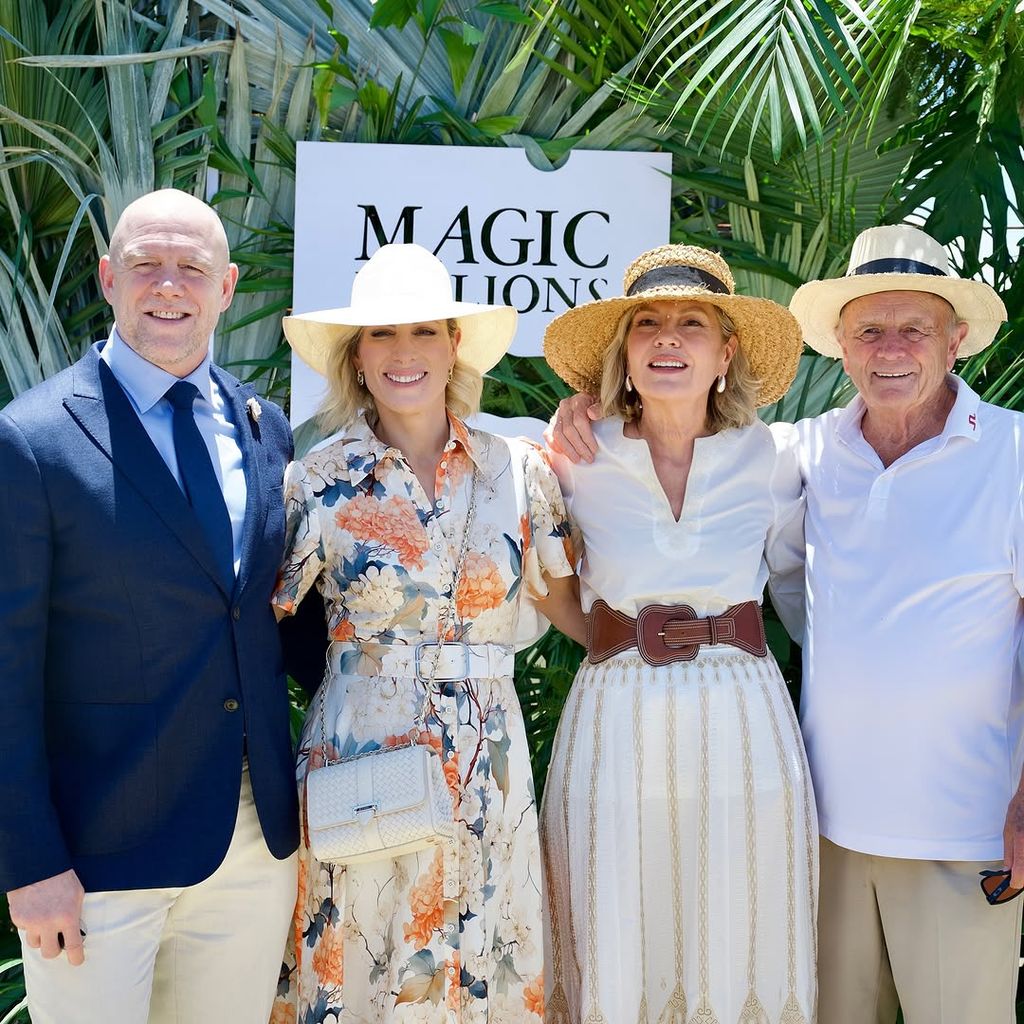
point(912, 710)
point(913, 700)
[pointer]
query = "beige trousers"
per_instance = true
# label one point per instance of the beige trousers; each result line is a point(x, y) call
point(912, 933)
point(204, 954)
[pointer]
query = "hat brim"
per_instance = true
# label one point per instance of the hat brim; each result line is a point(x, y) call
point(576, 340)
point(817, 306)
point(486, 331)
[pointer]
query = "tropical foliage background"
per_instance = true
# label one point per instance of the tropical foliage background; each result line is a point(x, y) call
point(793, 124)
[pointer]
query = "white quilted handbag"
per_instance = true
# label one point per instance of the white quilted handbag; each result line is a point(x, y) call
point(382, 804)
point(391, 801)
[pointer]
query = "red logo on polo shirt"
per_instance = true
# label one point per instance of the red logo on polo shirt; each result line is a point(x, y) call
point(973, 420)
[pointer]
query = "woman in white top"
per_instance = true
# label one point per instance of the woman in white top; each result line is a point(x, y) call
point(679, 830)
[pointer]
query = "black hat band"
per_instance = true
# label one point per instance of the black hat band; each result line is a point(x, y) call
point(676, 276)
point(897, 266)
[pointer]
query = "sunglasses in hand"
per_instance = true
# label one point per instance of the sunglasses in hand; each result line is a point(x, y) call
point(996, 887)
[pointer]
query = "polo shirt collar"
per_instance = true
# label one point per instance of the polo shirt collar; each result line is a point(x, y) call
point(144, 382)
point(962, 420)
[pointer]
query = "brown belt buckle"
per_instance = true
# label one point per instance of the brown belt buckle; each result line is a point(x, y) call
point(650, 634)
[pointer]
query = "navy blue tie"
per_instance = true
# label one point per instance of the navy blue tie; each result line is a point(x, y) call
point(199, 480)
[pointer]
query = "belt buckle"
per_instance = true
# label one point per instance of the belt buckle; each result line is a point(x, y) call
point(650, 639)
point(425, 678)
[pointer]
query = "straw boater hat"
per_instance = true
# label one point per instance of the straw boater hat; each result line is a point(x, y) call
point(897, 258)
point(575, 341)
point(404, 284)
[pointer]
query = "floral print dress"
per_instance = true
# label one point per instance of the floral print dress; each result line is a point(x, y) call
point(395, 940)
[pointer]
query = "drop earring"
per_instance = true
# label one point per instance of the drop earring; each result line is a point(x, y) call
point(720, 386)
point(451, 372)
point(629, 384)
point(361, 378)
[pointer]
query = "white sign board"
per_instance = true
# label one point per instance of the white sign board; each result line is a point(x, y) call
point(542, 241)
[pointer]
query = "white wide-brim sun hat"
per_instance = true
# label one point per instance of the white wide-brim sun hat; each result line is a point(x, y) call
point(896, 258)
point(404, 284)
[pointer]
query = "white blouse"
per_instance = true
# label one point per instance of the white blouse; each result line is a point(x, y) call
point(741, 520)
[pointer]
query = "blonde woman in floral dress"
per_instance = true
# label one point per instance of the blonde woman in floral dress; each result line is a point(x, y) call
point(375, 521)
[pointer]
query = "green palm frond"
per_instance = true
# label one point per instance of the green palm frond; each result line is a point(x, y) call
point(256, 201)
point(544, 675)
point(967, 166)
point(291, 24)
point(50, 219)
point(771, 67)
point(62, 166)
point(36, 346)
point(997, 373)
point(12, 986)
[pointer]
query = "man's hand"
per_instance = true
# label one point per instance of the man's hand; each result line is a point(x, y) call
point(571, 434)
point(49, 912)
point(1013, 840)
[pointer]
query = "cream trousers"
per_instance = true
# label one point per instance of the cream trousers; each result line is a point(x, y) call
point(916, 933)
point(204, 954)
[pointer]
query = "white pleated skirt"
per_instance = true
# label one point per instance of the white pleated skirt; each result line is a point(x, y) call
point(680, 847)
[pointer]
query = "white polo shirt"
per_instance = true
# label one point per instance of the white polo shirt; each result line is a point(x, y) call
point(912, 705)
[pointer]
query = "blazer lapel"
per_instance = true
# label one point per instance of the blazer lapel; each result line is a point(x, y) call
point(104, 412)
point(237, 394)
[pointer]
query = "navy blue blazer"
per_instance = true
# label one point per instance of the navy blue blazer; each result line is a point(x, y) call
point(130, 676)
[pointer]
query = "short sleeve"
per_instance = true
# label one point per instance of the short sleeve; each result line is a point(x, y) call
point(304, 547)
point(784, 544)
point(547, 539)
point(565, 474)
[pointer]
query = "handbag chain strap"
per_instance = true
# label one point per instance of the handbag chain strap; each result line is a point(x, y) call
point(444, 614)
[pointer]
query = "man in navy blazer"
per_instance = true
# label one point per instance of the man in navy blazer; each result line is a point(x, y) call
point(147, 787)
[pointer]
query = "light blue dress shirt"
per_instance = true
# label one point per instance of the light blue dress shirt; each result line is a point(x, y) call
point(145, 384)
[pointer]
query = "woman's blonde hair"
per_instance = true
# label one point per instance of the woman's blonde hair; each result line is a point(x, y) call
point(346, 397)
point(736, 406)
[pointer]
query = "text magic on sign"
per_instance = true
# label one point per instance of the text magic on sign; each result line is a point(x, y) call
point(508, 237)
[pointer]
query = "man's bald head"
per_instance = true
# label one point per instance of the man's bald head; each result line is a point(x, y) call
point(168, 277)
point(173, 206)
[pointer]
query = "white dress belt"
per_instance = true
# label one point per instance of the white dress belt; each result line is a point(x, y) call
point(455, 660)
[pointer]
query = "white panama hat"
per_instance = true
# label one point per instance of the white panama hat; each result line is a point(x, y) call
point(895, 258)
point(404, 284)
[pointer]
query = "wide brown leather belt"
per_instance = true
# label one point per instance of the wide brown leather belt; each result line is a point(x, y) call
point(663, 633)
